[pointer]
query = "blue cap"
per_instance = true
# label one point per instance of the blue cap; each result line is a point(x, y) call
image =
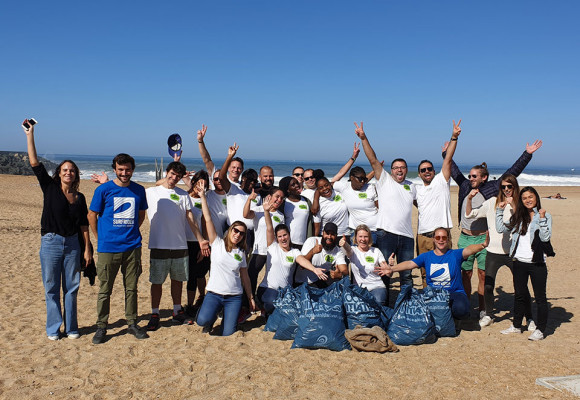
point(174, 143)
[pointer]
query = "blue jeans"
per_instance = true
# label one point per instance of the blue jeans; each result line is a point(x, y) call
point(60, 264)
point(211, 306)
point(404, 249)
point(267, 297)
point(459, 303)
point(380, 295)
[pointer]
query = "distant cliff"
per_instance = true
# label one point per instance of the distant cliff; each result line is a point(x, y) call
point(16, 163)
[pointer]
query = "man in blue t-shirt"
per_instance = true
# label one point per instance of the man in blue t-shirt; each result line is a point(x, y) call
point(115, 215)
point(443, 269)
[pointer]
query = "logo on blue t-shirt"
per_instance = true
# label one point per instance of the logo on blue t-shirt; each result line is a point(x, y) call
point(440, 276)
point(124, 211)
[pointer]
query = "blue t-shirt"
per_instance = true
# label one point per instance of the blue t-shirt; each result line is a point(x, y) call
point(118, 208)
point(444, 271)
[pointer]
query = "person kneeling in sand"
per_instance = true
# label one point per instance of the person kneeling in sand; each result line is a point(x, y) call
point(443, 269)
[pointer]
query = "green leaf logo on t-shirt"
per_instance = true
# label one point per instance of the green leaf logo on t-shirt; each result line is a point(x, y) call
point(197, 205)
point(337, 198)
point(362, 195)
point(276, 219)
point(224, 201)
point(238, 257)
point(174, 197)
point(407, 187)
point(254, 200)
point(329, 258)
point(370, 259)
point(290, 259)
point(303, 207)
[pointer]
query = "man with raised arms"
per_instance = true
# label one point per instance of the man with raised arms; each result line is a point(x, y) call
point(434, 199)
point(396, 196)
point(473, 231)
point(115, 215)
point(170, 215)
point(236, 165)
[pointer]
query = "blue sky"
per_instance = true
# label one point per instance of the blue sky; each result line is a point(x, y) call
point(286, 80)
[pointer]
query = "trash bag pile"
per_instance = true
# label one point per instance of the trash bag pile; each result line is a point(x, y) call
point(318, 318)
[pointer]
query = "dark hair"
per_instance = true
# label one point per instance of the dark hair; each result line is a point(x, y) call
point(482, 168)
point(398, 160)
point(238, 159)
point(76, 181)
point(295, 168)
point(282, 227)
point(309, 169)
point(357, 170)
point(285, 183)
point(199, 175)
point(227, 242)
point(250, 174)
point(122, 159)
point(176, 167)
point(511, 179)
point(421, 162)
point(520, 220)
point(274, 189)
point(322, 178)
point(318, 173)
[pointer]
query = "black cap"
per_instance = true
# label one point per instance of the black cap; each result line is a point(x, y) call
point(331, 227)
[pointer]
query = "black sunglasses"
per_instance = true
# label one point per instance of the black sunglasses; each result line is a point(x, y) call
point(239, 232)
point(360, 178)
point(308, 178)
point(507, 186)
point(423, 170)
point(297, 174)
point(471, 176)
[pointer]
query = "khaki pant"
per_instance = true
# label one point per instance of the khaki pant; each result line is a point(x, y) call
point(108, 265)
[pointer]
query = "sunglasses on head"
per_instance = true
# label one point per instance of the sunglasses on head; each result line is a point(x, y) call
point(239, 232)
point(297, 174)
point(423, 170)
point(440, 237)
point(306, 178)
point(509, 186)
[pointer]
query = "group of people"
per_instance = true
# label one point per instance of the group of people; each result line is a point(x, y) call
point(307, 230)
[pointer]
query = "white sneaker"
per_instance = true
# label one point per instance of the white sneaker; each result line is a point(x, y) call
point(511, 329)
point(531, 325)
point(482, 314)
point(485, 321)
point(73, 336)
point(53, 337)
point(536, 335)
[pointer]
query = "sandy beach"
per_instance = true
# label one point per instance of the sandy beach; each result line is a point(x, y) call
point(182, 362)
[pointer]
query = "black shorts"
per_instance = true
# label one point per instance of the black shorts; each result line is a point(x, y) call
point(197, 269)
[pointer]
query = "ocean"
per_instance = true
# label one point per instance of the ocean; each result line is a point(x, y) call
point(145, 169)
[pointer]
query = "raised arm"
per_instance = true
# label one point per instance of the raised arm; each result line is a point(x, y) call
point(209, 226)
point(270, 236)
point(446, 168)
point(524, 159)
point(342, 243)
point(315, 207)
point(248, 212)
point(369, 152)
point(32, 156)
point(346, 167)
point(456, 173)
point(223, 175)
point(209, 165)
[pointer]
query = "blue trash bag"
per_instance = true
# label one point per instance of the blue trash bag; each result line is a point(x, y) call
point(321, 324)
point(288, 309)
point(276, 316)
point(386, 315)
point(437, 301)
point(412, 322)
point(361, 308)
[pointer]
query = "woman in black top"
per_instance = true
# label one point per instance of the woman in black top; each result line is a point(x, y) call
point(64, 214)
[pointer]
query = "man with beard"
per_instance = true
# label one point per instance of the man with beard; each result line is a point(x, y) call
point(115, 215)
point(396, 196)
point(473, 231)
point(323, 252)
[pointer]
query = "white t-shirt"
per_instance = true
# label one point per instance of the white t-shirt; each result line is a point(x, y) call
point(360, 203)
point(524, 251)
point(224, 276)
point(308, 193)
point(280, 267)
point(167, 215)
point(395, 205)
point(296, 216)
point(434, 204)
point(260, 238)
point(236, 199)
point(325, 259)
point(499, 243)
point(197, 214)
point(334, 210)
point(363, 267)
point(217, 204)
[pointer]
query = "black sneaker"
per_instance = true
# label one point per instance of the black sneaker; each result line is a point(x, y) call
point(179, 318)
point(137, 332)
point(100, 336)
point(207, 328)
point(153, 324)
point(190, 311)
